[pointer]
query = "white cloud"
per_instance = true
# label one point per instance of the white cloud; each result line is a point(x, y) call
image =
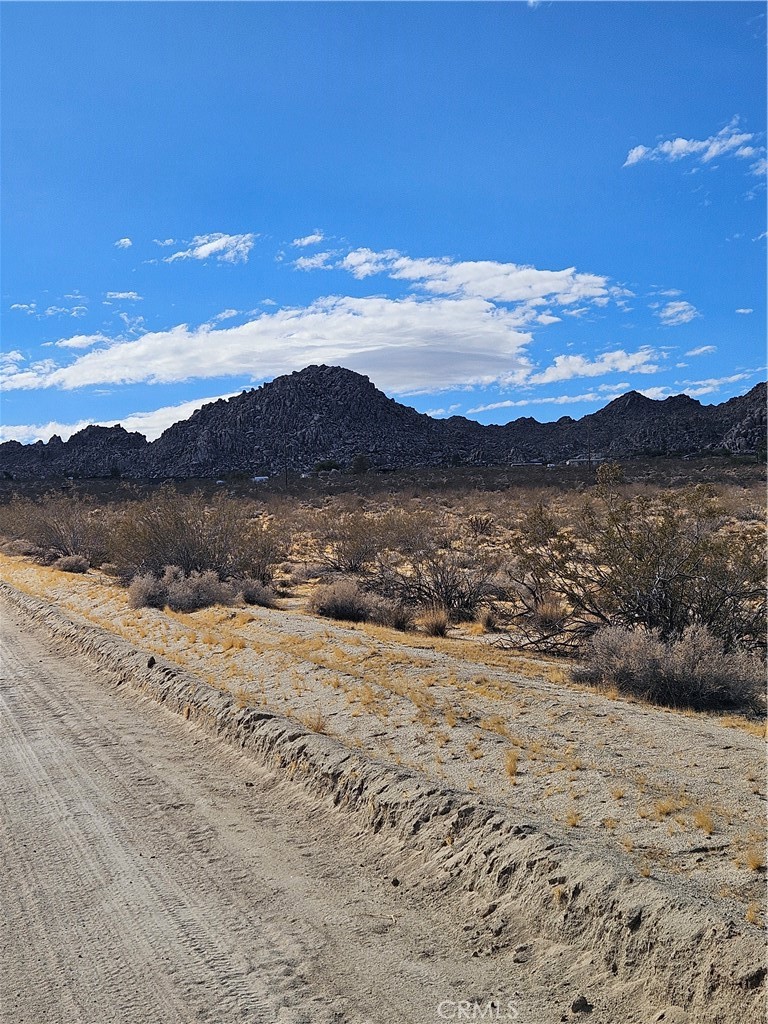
point(598, 395)
point(11, 359)
point(25, 307)
point(314, 239)
point(729, 141)
point(676, 313)
point(82, 341)
point(407, 346)
point(317, 262)
point(487, 279)
point(745, 311)
point(132, 296)
point(435, 413)
point(164, 241)
point(123, 243)
point(226, 314)
point(696, 388)
point(657, 393)
point(702, 350)
point(224, 248)
point(566, 367)
point(151, 424)
point(759, 168)
point(75, 311)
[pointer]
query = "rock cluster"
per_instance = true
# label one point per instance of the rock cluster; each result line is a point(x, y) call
point(328, 413)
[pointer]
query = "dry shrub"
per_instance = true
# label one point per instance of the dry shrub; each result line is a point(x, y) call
point(72, 563)
point(20, 547)
point(693, 671)
point(455, 581)
point(349, 541)
point(341, 600)
point(61, 524)
point(172, 529)
point(434, 621)
point(252, 591)
point(661, 562)
point(178, 591)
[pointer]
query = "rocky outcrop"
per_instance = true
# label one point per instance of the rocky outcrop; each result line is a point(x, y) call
point(330, 413)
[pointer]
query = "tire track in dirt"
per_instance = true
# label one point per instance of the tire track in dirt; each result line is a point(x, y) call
point(153, 876)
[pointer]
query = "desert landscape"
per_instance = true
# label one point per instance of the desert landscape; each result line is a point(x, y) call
point(562, 814)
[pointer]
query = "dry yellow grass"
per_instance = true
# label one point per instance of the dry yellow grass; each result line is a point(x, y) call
point(511, 759)
point(704, 820)
point(755, 858)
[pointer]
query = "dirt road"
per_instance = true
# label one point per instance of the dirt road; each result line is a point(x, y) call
point(153, 876)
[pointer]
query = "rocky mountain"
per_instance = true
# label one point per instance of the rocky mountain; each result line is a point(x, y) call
point(330, 413)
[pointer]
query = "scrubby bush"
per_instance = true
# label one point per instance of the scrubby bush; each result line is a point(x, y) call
point(694, 670)
point(183, 530)
point(20, 547)
point(147, 591)
point(345, 600)
point(179, 591)
point(72, 563)
point(348, 542)
point(455, 581)
point(435, 621)
point(61, 524)
point(341, 600)
point(252, 591)
point(663, 563)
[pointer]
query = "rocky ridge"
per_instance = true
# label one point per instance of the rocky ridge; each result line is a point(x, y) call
point(330, 413)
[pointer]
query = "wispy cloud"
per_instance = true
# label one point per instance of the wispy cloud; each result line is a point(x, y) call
point(320, 261)
point(696, 388)
point(75, 311)
point(566, 367)
point(218, 246)
point(123, 243)
point(314, 239)
point(82, 341)
point(30, 308)
point(702, 350)
point(151, 424)
point(745, 311)
point(406, 345)
point(675, 313)
point(164, 241)
point(729, 141)
point(487, 279)
point(438, 413)
point(598, 395)
point(132, 296)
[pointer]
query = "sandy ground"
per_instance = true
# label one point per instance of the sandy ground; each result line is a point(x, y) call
point(678, 797)
point(159, 876)
point(152, 876)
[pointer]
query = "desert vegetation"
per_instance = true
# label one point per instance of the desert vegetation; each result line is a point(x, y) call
point(645, 588)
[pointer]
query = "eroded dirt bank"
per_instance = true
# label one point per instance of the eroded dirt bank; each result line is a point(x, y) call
point(487, 906)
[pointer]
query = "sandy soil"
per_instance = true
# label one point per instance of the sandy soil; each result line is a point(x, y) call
point(240, 886)
point(677, 796)
point(152, 875)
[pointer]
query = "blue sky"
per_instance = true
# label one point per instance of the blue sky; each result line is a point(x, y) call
point(495, 210)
